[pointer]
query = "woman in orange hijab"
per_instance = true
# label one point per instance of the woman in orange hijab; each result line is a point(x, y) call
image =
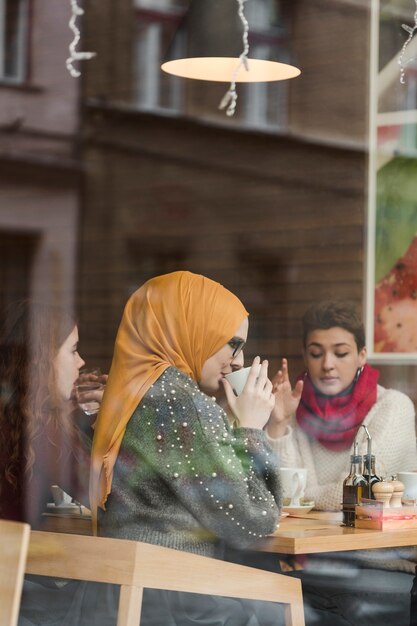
point(167, 466)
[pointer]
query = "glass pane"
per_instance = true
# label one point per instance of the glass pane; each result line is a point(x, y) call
point(393, 95)
point(393, 185)
point(14, 30)
point(173, 30)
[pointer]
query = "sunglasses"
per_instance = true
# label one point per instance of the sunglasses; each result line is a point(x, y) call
point(237, 346)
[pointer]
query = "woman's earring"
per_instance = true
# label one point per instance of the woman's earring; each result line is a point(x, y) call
point(358, 373)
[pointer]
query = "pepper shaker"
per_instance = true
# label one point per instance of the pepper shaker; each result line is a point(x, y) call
point(397, 493)
point(383, 491)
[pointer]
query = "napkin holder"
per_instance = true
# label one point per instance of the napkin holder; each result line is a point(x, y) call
point(372, 515)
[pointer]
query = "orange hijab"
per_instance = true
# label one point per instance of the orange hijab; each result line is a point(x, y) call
point(178, 319)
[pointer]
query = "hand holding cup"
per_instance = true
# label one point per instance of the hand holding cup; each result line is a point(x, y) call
point(89, 390)
point(253, 405)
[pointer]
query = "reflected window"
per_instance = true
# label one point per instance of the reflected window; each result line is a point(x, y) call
point(163, 31)
point(17, 259)
point(265, 104)
point(13, 40)
point(397, 103)
point(392, 211)
point(158, 29)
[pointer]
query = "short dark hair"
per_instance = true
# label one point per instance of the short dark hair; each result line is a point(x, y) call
point(330, 313)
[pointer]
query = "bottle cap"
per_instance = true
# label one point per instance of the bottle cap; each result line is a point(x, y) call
point(367, 464)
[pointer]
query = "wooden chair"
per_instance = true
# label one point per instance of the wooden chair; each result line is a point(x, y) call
point(14, 542)
point(135, 566)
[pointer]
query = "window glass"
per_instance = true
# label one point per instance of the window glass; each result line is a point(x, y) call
point(166, 30)
point(13, 23)
point(392, 215)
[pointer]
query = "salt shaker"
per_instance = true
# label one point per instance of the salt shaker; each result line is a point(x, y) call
point(383, 491)
point(397, 493)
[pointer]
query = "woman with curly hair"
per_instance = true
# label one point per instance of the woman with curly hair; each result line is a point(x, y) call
point(39, 442)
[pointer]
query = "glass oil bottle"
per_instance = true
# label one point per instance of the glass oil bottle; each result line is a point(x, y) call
point(354, 488)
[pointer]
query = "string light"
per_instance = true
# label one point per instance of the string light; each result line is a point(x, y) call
point(74, 55)
point(411, 32)
point(230, 97)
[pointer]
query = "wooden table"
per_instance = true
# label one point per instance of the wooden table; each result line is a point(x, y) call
point(71, 523)
point(322, 532)
point(308, 533)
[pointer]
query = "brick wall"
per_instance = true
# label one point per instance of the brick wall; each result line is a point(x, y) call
point(250, 210)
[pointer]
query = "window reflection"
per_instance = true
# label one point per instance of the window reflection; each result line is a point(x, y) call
point(397, 103)
point(13, 39)
point(393, 167)
point(165, 30)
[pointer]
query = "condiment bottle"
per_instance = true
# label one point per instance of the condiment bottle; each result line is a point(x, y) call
point(383, 491)
point(370, 475)
point(354, 488)
point(397, 493)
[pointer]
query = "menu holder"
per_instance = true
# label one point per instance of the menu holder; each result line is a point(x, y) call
point(371, 514)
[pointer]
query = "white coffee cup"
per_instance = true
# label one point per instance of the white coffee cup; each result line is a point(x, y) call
point(293, 482)
point(238, 379)
point(409, 480)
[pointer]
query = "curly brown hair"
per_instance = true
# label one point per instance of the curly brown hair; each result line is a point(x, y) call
point(29, 342)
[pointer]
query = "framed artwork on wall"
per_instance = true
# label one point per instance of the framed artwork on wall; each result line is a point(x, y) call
point(391, 282)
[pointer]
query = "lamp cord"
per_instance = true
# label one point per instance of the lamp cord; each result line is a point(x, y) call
point(230, 97)
point(411, 32)
point(74, 55)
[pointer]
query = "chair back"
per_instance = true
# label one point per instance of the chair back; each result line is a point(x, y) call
point(14, 542)
point(134, 566)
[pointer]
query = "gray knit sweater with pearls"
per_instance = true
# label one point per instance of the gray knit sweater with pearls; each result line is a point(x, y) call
point(185, 479)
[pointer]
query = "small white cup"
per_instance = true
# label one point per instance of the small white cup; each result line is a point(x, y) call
point(409, 480)
point(238, 379)
point(293, 481)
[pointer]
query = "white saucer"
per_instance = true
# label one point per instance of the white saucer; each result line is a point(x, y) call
point(66, 507)
point(284, 514)
point(296, 510)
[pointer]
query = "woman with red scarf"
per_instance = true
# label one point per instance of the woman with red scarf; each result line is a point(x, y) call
point(314, 425)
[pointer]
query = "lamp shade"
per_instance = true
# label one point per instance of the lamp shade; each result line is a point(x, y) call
point(221, 69)
point(213, 31)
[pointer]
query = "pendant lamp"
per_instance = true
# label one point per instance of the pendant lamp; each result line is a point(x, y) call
point(218, 68)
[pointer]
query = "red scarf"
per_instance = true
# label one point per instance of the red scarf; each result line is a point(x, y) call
point(335, 420)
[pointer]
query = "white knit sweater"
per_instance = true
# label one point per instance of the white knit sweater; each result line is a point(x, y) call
point(391, 423)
